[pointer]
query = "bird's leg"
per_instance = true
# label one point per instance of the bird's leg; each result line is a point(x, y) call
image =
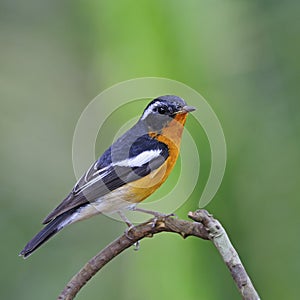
point(152, 212)
point(130, 226)
point(125, 220)
point(156, 214)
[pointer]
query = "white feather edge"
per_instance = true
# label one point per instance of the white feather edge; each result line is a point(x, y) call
point(132, 162)
point(117, 202)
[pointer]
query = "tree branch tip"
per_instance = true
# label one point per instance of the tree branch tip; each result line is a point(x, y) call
point(200, 215)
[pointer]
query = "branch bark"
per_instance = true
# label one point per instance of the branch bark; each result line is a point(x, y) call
point(204, 227)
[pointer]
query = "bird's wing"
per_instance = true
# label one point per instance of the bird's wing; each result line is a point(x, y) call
point(103, 177)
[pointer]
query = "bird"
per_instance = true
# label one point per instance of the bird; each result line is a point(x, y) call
point(129, 171)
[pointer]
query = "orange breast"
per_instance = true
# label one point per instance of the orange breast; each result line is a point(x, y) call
point(171, 136)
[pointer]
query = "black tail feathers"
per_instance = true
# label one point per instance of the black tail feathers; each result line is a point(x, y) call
point(46, 233)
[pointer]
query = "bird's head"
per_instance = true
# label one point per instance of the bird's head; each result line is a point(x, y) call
point(163, 110)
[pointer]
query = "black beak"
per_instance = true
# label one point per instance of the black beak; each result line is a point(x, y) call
point(187, 109)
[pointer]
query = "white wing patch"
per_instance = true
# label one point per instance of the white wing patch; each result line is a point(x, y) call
point(138, 160)
point(133, 162)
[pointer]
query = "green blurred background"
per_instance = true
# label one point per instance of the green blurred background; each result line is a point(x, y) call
point(242, 56)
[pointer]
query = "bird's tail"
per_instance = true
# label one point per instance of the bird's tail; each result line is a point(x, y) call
point(47, 232)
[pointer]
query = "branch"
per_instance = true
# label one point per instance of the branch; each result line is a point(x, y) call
point(204, 227)
point(231, 258)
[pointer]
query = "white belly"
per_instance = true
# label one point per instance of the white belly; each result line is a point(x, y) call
point(110, 203)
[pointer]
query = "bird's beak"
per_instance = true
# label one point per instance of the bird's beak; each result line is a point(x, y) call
point(187, 109)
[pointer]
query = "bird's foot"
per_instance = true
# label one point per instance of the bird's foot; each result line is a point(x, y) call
point(156, 214)
point(136, 245)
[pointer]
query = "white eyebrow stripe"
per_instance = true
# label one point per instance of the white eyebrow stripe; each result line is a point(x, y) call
point(149, 110)
point(139, 160)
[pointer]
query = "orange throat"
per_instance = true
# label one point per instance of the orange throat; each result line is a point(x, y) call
point(171, 136)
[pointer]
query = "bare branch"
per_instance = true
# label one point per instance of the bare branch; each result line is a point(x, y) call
point(204, 227)
point(221, 240)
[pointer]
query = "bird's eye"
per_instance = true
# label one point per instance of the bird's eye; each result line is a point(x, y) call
point(161, 110)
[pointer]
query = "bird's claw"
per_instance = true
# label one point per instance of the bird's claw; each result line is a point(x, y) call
point(127, 231)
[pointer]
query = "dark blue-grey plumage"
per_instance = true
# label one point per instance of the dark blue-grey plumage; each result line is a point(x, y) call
point(46, 233)
point(110, 171)
point(127, 146)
